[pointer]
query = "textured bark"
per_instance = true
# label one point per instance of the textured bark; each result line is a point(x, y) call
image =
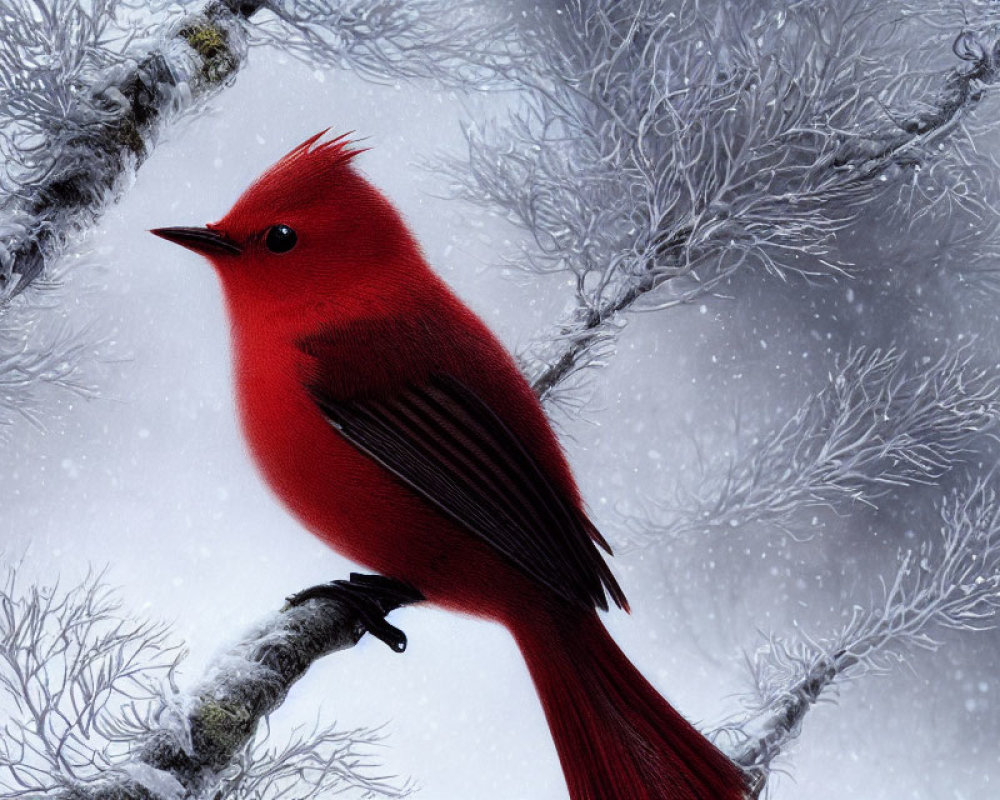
point(185, 757)
point(116, 126)
point(781, 722)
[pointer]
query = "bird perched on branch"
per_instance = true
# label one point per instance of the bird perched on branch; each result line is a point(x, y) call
point(396, 427)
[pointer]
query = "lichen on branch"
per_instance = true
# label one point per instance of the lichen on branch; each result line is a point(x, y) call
point(92, 711)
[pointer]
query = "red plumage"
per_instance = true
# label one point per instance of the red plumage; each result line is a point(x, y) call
point(390, 420)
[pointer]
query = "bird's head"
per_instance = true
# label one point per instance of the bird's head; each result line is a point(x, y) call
point(309, 229)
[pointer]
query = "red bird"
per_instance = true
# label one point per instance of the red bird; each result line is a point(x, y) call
point(396, 427)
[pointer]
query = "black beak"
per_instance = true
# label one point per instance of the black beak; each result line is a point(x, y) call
point(201, 240)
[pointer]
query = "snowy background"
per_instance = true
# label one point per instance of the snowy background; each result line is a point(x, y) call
point(151, 478)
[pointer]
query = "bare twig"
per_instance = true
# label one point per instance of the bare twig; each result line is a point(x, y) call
point(77, 681)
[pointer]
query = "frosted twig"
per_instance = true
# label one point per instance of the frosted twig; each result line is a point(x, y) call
point(459, 43)
point(91, 711)
point(77, 682)
point(662, 147)
point(881, 422)
point(948, 582)
point(314, 763)
point(34, 355)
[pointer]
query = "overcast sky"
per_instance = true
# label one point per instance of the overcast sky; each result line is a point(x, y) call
point(152, 479)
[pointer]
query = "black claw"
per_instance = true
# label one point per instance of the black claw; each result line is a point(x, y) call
point(384, 632)
point(371, 597)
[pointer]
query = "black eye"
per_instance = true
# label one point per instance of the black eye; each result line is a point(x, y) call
point(280, 239)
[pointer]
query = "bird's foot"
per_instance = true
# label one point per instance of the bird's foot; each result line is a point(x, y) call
point(371, 597)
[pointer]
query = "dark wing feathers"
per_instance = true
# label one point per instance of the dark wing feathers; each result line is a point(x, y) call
point(446, 444)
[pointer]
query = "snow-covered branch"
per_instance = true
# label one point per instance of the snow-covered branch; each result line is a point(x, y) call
point(87, 89)
point(951, 581)
point(91, 710)
point(663, 147)
point(880, 422)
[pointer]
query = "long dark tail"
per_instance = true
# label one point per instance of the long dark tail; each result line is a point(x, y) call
point(617, 738)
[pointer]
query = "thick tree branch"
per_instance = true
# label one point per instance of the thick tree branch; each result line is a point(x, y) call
point(111, 129)
point(187, 754)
